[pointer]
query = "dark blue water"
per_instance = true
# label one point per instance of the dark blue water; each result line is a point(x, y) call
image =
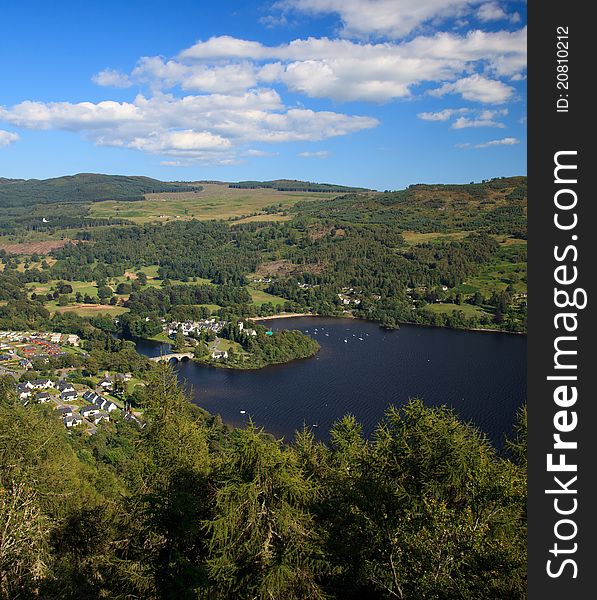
point(481, 375)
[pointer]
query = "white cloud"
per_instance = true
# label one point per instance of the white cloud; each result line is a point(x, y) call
point(112, 78)
point(463, 123)
point(338, 69)
point(8, 137)
point(210, 128)
point(318, 154)
point(477, 88)
point(492, 11)
point(389, 18)
point(507, 141)
point(442, 115)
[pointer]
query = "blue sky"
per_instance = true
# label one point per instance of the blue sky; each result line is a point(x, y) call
point(377, 93)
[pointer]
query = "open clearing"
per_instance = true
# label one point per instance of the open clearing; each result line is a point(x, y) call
point(468, 309)
point(88, 310)
point(215, 201)
point(34, 247)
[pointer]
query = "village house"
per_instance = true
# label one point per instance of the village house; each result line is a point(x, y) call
point(99, 417)
point(219, 354)
point(68, 396)
point(43, 397)
point(65, 411)
point(42, 384)
point(64, 386)
point(106, 404)
point(72, 421)
point(90, 411)
point(91, 397)
point(105, 384)
point(24, 391)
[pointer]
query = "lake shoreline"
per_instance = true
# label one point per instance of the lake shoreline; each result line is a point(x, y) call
point(297, 315)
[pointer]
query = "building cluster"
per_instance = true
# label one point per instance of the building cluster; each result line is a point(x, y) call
point(26, 346)
point(45, 390)
point(195, 327)
point(204, 325)
point(349, 296)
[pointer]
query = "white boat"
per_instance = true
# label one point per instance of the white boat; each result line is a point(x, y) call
point(242, 412)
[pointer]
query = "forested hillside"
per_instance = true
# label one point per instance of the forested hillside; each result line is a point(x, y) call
point(293, 185)
point(84, 187)
point(189, 508)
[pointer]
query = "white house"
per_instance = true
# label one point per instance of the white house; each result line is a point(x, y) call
point(68, 396)
point(43, 397)
point(72, 421)
point(218, 354)
point(106, 404)
point(42, 384)
point(105, 384)
point(89, 411)
point(65, 386)
point(73, 339)
point(99, 417)
point(24, 391)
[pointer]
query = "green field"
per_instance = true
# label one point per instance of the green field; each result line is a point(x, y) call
point(468, 309)
point(88, 310)
point(215, 201)
point(260, 297)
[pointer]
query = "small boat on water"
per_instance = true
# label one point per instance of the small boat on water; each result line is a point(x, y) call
point(346, 341)
point(242, 412)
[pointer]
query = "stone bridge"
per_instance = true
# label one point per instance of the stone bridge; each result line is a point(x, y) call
point(169, 357)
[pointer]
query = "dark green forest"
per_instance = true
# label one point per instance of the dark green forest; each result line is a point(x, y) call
point(187, 507)
point(293, 185)
point(83, 187)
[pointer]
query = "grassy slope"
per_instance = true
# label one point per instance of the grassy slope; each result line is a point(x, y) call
point(215, 201)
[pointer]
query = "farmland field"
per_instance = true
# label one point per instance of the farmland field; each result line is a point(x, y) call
point(215, 201)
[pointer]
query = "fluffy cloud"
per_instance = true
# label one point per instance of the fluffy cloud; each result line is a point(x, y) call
point(477, 88)
point(112, 78)
point(211, 128)
point(216, 99)
point(388, 18)
point(480, 118)
point(7, 137)
point(339, 69)
point(492, 11)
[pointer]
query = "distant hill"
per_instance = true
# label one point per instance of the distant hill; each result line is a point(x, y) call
point(293, 185)
point(84, 187)
point(495, 206)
